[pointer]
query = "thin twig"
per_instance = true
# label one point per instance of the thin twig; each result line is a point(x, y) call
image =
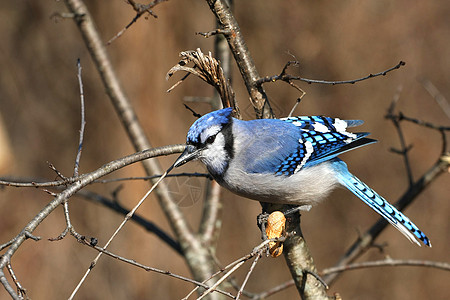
point(141, 220)
point(9, 289)
point(426, 124)
point(7, 244)
point(127, 217)
point(404, 149)
point(288, 78)
point(25, 182)
point(250, 271)
point(195, 174)
point(370, 264)
point(214, 32)
point(20, 290)
point(70, 191)
point(216, 284)
point(197, 115)
point(258, 249)
point(434, 92)
point(83, 121)
point(88, 242)
point(271, 291)
point(29, 235)
point(53, 168)
point(140, 9)
point(388, 263)
point(295, 106)
point(69, 226)
point(128, 116)
point(210, 222)
point(34, 183)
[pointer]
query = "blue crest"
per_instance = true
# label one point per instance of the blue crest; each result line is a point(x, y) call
point(218, 117)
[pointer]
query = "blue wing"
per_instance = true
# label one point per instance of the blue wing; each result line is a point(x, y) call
point(379, 204)
point(321, 139)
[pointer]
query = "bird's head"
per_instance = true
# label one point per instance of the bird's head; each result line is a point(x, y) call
point(210, 140)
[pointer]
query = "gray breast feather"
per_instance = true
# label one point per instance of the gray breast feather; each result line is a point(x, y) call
point(307, 187)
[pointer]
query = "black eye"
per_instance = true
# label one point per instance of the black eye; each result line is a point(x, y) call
point(210, 139)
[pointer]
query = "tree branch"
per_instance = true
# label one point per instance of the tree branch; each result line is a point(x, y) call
point(242, 56)
point(150, 269)
point(283, 76)
point(388, 263)
point(71, 190)
point(196, 254)
point(300, 262)
point(147, 224)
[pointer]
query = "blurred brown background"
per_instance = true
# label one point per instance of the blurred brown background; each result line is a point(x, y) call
point(40, 115)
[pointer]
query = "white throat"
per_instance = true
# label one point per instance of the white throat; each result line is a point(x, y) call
point(215, 157)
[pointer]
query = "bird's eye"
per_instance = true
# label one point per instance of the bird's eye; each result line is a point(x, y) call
point(210, 139)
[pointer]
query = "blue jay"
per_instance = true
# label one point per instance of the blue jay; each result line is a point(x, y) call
point(286, 161)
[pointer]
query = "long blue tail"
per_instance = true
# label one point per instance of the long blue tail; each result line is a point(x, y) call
point(379, 204)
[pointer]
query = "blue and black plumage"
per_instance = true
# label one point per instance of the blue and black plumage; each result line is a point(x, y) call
point(288, 161)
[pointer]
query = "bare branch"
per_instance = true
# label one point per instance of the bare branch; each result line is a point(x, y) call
point(434, 92)
point(430, 125)
point(218, 282)
point(69, 226)
point(261, 248)
point(8, 287)
point(299, 99)
point(72, 189)
point(28, 235)
point(20, 290)
point(370, 264)
point(125, 220)
point(242, 56)
point(53, 168)
point(289, 78)
point(83, 121)
point(24, 182)
point(214, 32)
point(271, 291)
point(403, 147)
point(250, 271)
point(89, 243)
point(205, 175)
point(388, 263)
point(35, 183)
point(147, 224)
point(7, 244)
point(210, 223)
point(300, 262)
point(198, 256)
point(140, 9)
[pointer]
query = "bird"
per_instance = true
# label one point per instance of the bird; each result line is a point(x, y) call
point(292, 160)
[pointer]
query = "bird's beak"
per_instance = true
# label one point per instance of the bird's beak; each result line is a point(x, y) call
point(190, 153)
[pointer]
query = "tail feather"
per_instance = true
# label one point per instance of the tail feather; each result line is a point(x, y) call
point(379, 204)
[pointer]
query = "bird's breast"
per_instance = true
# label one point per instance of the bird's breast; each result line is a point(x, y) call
point(307, 187)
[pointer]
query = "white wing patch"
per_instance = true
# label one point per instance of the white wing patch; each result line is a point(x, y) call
point(309, 150)
point(341, 127)
point(321, 128)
